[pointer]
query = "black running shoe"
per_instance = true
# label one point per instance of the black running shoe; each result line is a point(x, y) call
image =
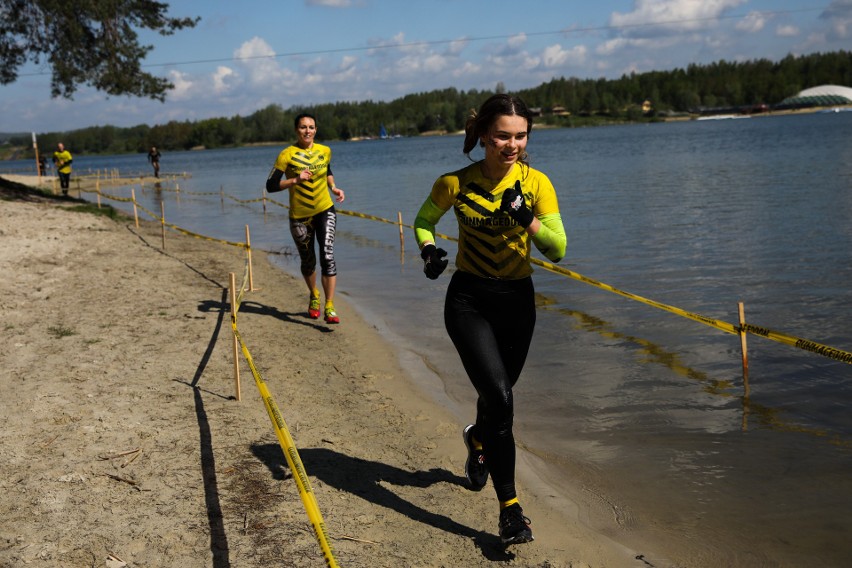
point(514, 526)
point(474, 468)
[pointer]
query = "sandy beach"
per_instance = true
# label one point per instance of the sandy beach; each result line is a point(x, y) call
point(122, 443)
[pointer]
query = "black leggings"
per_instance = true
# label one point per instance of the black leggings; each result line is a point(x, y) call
point(320, 227)
point(491, 324)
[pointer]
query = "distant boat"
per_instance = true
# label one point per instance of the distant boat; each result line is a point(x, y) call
point(383, 133)
point(722, 117)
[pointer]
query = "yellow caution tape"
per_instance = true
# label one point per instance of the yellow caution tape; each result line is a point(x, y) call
point(285, 440)
point(805, 344)
point(718, 324)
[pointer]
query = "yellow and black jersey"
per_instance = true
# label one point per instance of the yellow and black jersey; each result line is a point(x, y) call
point(491, 244)
point(63, 161)
point(310, 197)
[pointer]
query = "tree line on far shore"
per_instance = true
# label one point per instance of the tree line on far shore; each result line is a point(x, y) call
point(562, 102)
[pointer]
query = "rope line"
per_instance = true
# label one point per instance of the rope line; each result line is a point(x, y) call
point(285, 439)
point(760, 331)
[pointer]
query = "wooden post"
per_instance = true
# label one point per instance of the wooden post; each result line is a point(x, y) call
point(135, 212)
point(236, 343)
point(163, 222)
point(742, 333)
point(248, 256)
point(98, 191)
point(222, 196)
point(401, 238)
point(38, 165)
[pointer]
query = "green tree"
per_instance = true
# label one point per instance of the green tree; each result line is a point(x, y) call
point(86, 43)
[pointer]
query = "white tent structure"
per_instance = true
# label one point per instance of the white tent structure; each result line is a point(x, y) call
point(824, 95)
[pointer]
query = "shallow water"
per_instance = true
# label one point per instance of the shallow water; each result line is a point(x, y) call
point(639, 408)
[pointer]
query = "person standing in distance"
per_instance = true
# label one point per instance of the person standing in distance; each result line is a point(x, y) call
point(154, 158)
point(62, 161)
point(305, 169)
point(503, 207)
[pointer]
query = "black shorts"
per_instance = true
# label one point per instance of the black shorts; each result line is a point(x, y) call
point(319, 228)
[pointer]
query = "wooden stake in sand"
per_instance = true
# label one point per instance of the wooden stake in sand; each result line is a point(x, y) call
point(742, 334)
point(135, 212)
point(236, 343)
point(248, 259)
point(401, 238)
point(163, 222)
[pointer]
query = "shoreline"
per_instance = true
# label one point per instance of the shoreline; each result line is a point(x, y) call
point(386, 465)
point(538, 125)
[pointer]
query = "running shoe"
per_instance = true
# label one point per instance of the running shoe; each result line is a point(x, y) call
point(514, 526)
point(331, 315)
point(474, 468)
point(314, 307)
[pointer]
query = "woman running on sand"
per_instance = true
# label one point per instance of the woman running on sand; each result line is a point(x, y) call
point(503, 207)
point(305, 169)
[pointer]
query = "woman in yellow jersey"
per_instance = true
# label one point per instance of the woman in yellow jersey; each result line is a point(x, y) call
point(503, 207)
point(305, 169)
point(62, 161)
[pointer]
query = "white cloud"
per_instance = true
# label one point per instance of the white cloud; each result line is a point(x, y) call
point(434, 63)
point(555, 56)
point(787, 31)
point(329, 3)
point(752, 23)
point(466, 69)
point(457, 46)
point(258, 58)
point(654, 17)
point(517, 41)
point(612, 46)
point(254, 48)
point(629, 45)
point(183, 86)
point(221, 79)
point(839, 16)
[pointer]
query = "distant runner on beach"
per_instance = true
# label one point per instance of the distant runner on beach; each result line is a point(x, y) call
point(154, 158)
point(62, 161)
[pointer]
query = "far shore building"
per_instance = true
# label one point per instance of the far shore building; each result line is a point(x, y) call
point(824, 95)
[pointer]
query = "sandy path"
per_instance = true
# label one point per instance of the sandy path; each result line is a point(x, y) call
point(121, 442)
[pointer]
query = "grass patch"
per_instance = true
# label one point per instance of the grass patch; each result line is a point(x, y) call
point(103, 210)
point(59, 331)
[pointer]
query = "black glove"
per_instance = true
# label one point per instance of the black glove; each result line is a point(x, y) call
point(513, 205)
point(435, 263)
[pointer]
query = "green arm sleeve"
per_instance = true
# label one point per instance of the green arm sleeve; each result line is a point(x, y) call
point(424, 223)
point(550, 239)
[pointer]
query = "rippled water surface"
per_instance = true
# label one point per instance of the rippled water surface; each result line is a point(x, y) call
point(640, 409)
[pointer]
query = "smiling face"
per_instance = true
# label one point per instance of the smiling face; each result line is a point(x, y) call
point(505, 143)
point(305, 132)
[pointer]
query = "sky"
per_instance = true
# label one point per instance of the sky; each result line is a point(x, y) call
point(243, 56)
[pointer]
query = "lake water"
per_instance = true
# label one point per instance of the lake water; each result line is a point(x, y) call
point(632, 407)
